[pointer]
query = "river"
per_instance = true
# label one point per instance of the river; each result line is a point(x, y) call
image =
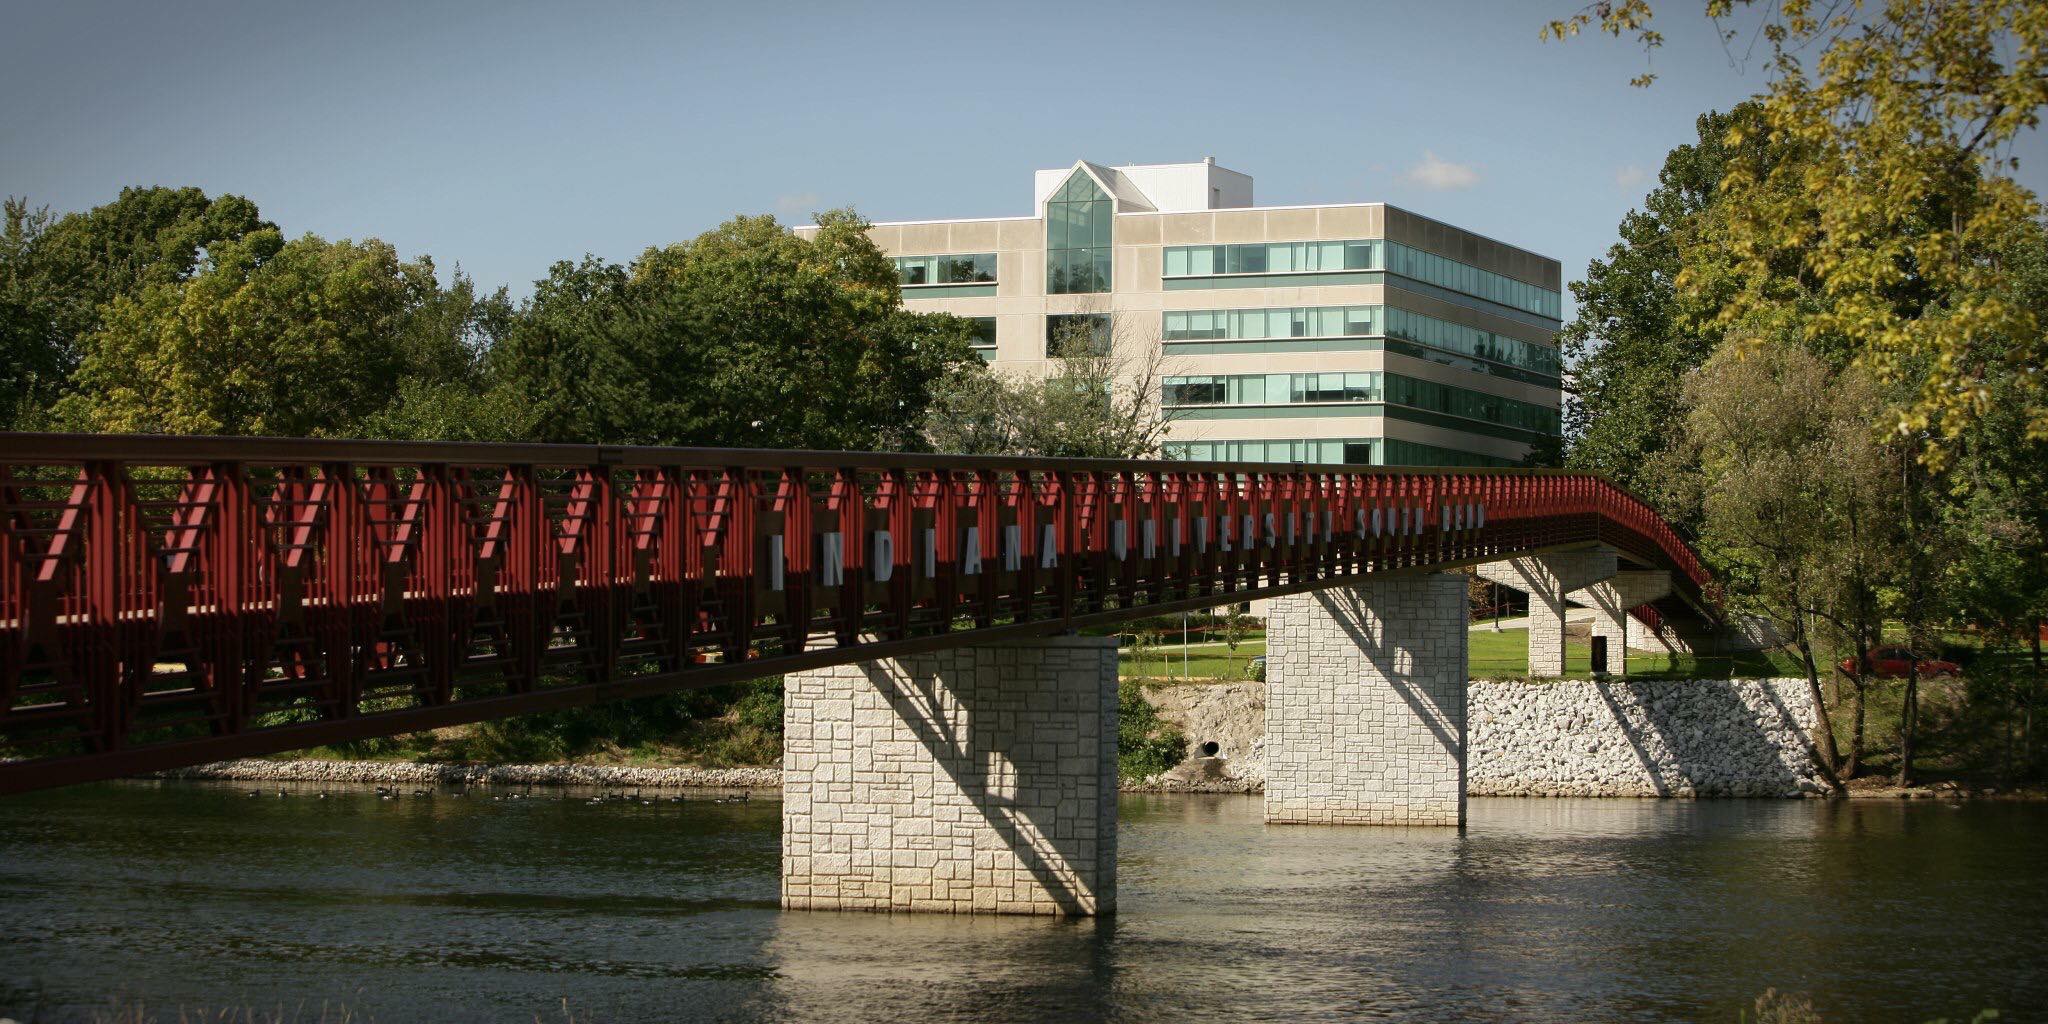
point(436, 908)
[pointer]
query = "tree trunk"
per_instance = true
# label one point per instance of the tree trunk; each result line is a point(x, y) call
point(1909, 714)
point(1828, 755)
point(2027, 714)
point(1855, 729)
point(1859, 684)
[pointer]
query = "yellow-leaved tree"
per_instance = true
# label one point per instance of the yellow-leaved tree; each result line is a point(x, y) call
point(1888, 243)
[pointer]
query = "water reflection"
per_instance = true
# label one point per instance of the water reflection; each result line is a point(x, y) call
point(479, 909)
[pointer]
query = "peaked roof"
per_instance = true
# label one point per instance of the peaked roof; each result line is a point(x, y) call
point(1127, 195)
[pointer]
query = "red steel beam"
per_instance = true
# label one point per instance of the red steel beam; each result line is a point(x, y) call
point(167, 601)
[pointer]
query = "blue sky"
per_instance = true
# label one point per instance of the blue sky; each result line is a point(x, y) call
point(505, 136)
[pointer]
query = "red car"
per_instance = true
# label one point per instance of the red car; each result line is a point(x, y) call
point(1896, 661)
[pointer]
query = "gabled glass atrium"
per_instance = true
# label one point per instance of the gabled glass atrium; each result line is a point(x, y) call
point(1079, 217)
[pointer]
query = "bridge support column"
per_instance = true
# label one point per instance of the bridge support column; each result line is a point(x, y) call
point(1611, 601)
point(969, 780)
point(1547, 578)
point(1365, 704)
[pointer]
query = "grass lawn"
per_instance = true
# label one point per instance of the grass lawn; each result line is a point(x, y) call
point(1493, 655)
point(1506, 653)
point(1204, 661)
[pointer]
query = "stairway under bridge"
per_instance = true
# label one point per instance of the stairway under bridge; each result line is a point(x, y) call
point(169, 601)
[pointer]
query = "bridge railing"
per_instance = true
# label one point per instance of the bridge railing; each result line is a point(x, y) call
point(166, 600)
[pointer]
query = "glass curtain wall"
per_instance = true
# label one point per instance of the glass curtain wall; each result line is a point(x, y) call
point(1078, 220)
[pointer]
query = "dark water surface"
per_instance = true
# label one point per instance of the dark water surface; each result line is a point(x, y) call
point(442, 909)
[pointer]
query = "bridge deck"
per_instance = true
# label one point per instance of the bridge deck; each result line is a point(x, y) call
point(171, 601)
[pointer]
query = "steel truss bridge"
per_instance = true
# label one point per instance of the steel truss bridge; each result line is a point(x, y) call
point(167, 601)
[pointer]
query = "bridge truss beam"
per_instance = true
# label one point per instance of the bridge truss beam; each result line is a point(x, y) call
point(172, 601)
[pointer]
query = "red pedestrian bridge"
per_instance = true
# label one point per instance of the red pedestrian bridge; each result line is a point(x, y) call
point(168, 601)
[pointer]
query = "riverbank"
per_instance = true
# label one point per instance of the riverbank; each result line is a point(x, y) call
point(1547, 738)
point(1199, 775)
point(418, 773)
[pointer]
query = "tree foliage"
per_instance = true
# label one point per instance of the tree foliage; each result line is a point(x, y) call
point(747, 336)
point(1635, 335)
point(1100, 400)
point(58, 275)
point(294, 339)
point(1884, 242)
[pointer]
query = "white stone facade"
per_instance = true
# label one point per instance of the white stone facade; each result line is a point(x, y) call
point(969, 780)
point(1683, 738)
point(1365, 704)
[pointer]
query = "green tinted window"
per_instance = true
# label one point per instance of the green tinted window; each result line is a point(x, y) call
point(1360, 254)
point(1356, 321)
point(1078, 221)
point(965, 268)
point(984, 331)
point(1359, 451)
point(1369, 386)
point(1077, 333)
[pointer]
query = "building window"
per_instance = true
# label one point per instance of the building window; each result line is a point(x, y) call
point(1271, 389)
point(1078, 221)
point(1272, 258)
point(1267, 324)
point(1359, 451)
point(984, 339)
point(1367, 386)
point(1184, 325)
point(1073, 334)
point(1360, 254)
point(963, 268)
point(1430, 268)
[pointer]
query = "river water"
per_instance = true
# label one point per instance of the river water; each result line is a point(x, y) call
point(436, 908)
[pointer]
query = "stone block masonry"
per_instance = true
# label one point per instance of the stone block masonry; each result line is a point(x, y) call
point(978, 780)
point(1365, 704)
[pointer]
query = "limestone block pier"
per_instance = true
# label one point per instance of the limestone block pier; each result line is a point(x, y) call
point(975, 780)
point(1365, 704)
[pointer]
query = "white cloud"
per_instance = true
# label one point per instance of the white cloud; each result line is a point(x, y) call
point(1630, 176)
point(803, 204)
point(1434, 172)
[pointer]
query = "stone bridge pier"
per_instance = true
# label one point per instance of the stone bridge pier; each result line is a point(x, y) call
point(1365, 703)
point(976, 780)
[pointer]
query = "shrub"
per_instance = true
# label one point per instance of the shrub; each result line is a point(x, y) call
point(1145, 746)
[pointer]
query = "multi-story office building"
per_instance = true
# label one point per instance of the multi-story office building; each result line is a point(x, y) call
point(1354, 332)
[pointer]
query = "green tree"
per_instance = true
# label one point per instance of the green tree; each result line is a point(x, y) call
point(1099, 398)
point(1634, 336)
point(1786, 462)
point(1904, 112)
point(59, 274)
point(297, 339)
point(747, 336)
point(1145, 744)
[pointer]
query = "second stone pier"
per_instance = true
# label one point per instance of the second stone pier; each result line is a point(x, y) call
point(1365, 704)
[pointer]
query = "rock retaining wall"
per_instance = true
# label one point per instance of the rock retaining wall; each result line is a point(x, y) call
point(1709, 737)
point(1741, 737)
